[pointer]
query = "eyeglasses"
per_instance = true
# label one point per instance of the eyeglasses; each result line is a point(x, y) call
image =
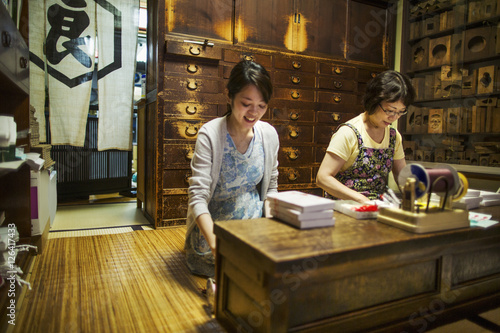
point(393, 113)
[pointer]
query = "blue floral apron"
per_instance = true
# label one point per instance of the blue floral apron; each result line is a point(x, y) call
point(369, 173)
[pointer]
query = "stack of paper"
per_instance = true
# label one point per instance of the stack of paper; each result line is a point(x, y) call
point(490, 198)
point(357, 210)
point(302, 210)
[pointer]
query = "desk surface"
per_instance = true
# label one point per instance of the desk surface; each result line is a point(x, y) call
point(274, 242)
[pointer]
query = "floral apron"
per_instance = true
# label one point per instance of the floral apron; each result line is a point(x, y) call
point(369, 173)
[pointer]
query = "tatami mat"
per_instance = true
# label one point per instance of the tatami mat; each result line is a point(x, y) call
point(130, 282)
point(78, 217)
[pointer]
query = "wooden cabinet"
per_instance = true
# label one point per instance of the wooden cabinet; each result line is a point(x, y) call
point(315, 90)
point(453, 56)
point(301, 26)
point(15, 184)
point(210, 19)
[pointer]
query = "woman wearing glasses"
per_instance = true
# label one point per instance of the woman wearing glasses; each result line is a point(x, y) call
point(364, 150)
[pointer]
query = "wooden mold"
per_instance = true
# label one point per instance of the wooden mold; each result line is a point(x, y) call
point(469, 83)
point(486, 79)
point(439, 51)
point(478, 44)
point(424, 112)
point(431, 25)
point(420, 55)
point(435, 121)
point(453, 120)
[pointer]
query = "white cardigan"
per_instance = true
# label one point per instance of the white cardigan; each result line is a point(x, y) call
point(207, 160)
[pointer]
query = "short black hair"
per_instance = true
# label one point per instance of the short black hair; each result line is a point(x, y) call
point(390, 86)
point(249, 72)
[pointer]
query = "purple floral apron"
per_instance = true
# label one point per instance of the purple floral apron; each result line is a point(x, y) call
point(369, 173)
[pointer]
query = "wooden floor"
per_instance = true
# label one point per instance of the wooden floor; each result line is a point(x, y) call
point(131, 282)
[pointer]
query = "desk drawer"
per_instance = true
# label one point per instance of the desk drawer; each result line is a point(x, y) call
point(192, 85)
point(295, 64)
point(337, 98)
point(337, 71)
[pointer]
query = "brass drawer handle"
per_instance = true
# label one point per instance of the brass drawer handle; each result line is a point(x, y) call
point(191, 131)
point(295, 79)
point(248, 57)
point(294, 116)
point(293, 133)
point(189, 154)
point(192, 68)
point(191, 111)
point(292, 155)
point(337, 84)
point(373, 74)
point(23, 62)
point(192, 85)
point(338, 70)
point(336, 116)
point(194, 50)
point(292, 176)
point(295, 95)
point(337, 98)
point(6, 39)
point(187, 176)
point(296, 64)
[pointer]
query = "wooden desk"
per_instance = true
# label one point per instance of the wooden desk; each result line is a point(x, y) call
point(358, 275)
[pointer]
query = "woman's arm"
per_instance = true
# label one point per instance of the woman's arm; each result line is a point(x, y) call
point(397, 166)
point(325, 179)
point(206, 225)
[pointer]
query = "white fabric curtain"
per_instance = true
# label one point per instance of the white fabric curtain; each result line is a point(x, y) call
point(69, 29)
point(117, 25)
point(37, 65)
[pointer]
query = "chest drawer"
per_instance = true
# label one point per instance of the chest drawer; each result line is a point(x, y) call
point(293, 114)
point(296, 175)
point(294, 133)
point(177, 156)
point(335, 118)
point(332, 83)
point(365, 75)
point(295, 79)
point(176, 178)
point(193, 110)
point(175, 207)
point(182, 129)
point(294, 94)
point(237, 56)
point(337, 98)
point(295, 64)
point(319, 153)
point(192, 84)
point(194, 50)
point(295, 156)
point(191, 67)
point(337, 71)
point(323, 134)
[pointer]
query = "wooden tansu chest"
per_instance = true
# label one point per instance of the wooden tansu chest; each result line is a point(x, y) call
point(359, 275)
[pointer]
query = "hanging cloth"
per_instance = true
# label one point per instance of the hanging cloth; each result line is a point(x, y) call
point(70, 48)
point(117, 29)
point(37, 66)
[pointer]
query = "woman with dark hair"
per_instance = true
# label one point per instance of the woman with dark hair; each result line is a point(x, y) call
point(365, 149)
point(234, 166)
